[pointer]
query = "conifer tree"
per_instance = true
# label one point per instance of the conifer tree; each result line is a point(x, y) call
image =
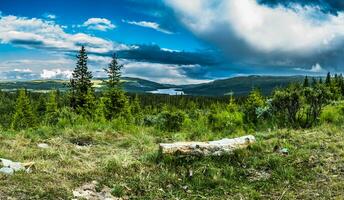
point(114, 73)
point(51, 105)
point(135, 109)
point(320, 81)
point(80, 84)
point(314, 82)
point(115, 101)
point(51, 108)
point(23, 116)
point(328, 79)
point(306, 82)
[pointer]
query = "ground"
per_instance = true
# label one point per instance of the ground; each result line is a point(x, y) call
point(126, 160)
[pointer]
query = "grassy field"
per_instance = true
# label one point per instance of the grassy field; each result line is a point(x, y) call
point(125, 159)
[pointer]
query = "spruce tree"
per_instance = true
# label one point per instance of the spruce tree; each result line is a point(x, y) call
point(81, 83)
point(115, 101)
point(114, 73)
point(306, 82)
point(328, 79)
point(23, 116)
point(314, 82)
point(51, 108)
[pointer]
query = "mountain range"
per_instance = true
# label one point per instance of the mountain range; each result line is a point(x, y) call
point(238, 86)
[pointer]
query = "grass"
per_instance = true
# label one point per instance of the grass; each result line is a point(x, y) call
point(125, 158)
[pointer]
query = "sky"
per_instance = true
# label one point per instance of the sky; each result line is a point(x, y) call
point(172, 41)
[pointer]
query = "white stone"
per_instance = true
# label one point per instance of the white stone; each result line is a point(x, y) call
point(16, 166)
point(6, 170)
point(43, 145)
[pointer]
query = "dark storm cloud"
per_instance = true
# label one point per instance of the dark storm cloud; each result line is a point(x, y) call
point(154, 54)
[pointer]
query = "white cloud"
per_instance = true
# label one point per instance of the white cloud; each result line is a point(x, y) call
point(162, 73)
point(151, 25)
point(49, 16)
point(38, 33)
point(56, 74)
point(23, 70)
point(314, 69)
point(100, 24)
point(236, 24)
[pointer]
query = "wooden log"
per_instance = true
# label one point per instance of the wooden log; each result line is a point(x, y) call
point(211, 148)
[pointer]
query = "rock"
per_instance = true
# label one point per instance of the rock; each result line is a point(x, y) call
point(9, 167)
point(284, 151)
point(16, 166)
point(211, 148)
point(88, 191)
point(6, 170)
point(43, 145)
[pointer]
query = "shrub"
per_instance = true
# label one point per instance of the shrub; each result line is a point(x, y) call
point(253, 101)
point(172, 120)
point(226, 121)
point(67, 117)
point(229, 119)
point(333, 114)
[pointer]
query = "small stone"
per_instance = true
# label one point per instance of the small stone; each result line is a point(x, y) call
point(43, 145)
point(284, 151)
point(6, 170)
point(16, 166)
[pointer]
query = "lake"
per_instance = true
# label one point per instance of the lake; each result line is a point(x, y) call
point(169, 91)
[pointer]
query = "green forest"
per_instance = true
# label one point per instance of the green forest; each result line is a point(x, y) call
point(112, 137)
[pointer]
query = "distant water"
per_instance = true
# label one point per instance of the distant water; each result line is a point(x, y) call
point(169, 91)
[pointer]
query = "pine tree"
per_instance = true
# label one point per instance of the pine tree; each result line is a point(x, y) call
point(115, 100)
point(23, 116)
point(135, 109)
point(314, 82)
point(320, 81)
point(81, 83)
point(306, 82)
point(51, 108)
point(51, 105)
point(114, 73)
point(328, 79)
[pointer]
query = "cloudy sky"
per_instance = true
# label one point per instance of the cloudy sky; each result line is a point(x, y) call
point(172, 41)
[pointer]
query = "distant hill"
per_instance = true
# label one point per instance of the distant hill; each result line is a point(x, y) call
point(134, 85)
point(238, 86)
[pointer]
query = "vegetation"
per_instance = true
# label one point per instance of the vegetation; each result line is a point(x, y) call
point(111, 136)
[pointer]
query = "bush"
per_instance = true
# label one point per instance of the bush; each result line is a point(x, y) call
point(226, 121)
point(172, 120)
point(67, 117)
point(333, 114)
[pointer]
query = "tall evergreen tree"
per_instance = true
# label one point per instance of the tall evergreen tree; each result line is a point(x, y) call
point(81, 83)
point(314, 82)
point(51, 108)
point(114, 73)
point(23, 116)
point(115, 101)
point(306, 82)
point(328, 79)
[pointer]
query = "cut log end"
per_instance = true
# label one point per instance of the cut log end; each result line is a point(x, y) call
point(211, 148)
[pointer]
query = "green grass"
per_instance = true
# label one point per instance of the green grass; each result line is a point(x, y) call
point(125, 158)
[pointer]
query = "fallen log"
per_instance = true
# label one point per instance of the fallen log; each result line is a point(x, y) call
point(211, 148)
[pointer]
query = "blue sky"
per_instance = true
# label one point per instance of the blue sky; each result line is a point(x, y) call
point(172, 41)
